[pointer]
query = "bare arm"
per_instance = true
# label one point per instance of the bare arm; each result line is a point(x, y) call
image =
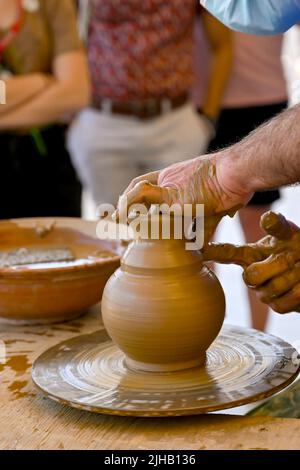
point(225, 181)
point(67, 93)
point(220, 41)
point(269, 157)
point(20, 89)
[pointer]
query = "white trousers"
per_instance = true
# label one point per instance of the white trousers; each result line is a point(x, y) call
point(109, 150)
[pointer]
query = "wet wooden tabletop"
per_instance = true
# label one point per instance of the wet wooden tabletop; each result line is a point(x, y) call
point(31, 421)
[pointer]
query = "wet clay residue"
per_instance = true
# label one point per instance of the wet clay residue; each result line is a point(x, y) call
point(42, 230)
point(103, 254)
point(17, 388)
point(77, 324)
point(41, 333)
point(24, 351)
point(8, 342)
point(19, 364)
point(66, 328)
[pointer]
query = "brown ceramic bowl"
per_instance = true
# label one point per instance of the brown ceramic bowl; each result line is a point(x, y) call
point(46, 293)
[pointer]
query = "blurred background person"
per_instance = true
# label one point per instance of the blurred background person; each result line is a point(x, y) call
point(46, 75)
point(212, 65)
point(142, 118)
point(255, 93)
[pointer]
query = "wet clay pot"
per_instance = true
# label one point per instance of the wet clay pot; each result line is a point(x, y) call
point(163, 307)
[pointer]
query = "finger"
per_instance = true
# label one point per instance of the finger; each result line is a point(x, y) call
point(280, 285)
point(122, 207)
point(289, 302)
point(147, 194)
point(277, 226)
point(258, 273)
point(150, 177)
point(227, 253)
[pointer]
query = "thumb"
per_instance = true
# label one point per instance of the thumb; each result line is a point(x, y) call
point(145, 193)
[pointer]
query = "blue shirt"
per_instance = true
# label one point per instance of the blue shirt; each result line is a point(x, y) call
point(262, 17)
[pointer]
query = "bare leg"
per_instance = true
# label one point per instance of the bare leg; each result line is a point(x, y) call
point(250, 218)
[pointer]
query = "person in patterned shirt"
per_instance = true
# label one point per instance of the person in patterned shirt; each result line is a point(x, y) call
point(141, 119)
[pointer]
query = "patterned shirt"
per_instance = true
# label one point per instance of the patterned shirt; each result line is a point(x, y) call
point(141, 49)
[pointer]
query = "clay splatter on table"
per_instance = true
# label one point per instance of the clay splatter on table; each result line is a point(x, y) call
point(18, 389)
point(19, 364)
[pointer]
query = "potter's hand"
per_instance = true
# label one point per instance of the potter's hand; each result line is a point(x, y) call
point(277, 278)
point(202, 180)
point(271, 266)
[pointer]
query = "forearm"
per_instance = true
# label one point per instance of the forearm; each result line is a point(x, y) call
point(268, 158)
point(46, 108)
point(218, 78)
point(68, 92)
point(20, 89)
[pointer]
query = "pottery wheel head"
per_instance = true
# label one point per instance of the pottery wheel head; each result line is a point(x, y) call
point(89, 372)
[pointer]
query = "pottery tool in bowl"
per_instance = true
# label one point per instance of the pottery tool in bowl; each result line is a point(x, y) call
point(162, 354)
point(52, 269)
point(24, 256)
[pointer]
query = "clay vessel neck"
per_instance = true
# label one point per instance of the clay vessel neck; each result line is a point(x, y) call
point(160, 243)
point(160, 254)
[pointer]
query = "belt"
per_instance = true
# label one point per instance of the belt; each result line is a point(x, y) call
point(142, 109)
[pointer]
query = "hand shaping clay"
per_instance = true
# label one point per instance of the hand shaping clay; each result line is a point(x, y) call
point(163, 307)
point(282, 237)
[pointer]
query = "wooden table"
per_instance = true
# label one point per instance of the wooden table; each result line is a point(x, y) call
point(31, 421)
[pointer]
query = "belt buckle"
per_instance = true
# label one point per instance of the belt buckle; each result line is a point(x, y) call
point(151, 106)
point(136, 107)
point(166, 106)
point(107, 106)
point(144, 109)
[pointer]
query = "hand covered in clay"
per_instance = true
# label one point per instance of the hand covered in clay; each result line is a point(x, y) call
point(198, 181)
point(271, 266)
point(277, 278)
